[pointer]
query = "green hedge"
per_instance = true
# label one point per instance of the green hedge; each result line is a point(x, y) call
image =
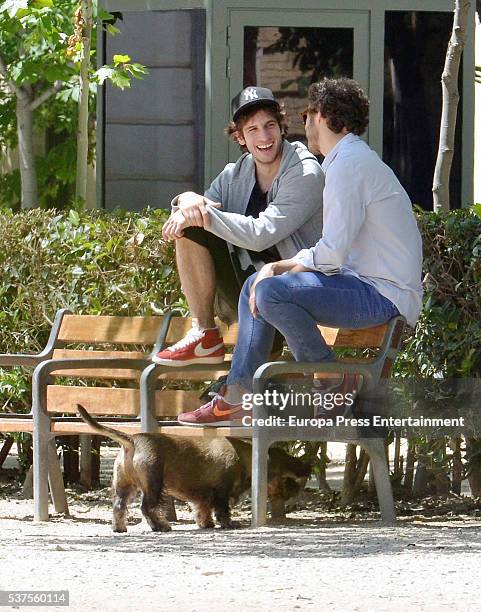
point(118, 264)
point(447, 338)
point(88, 262)
point(91, 263)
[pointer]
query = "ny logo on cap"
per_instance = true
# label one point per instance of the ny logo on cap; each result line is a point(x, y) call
point(251, 94)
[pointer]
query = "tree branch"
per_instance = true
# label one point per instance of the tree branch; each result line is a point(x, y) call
point(45, 95)
point(14, 89)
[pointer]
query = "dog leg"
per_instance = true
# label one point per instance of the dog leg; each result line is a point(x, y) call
point(222, 514)
point(152, 509)
point(203, 515)
point(121, 499)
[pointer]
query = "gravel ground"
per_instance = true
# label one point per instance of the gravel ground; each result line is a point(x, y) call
point(315, 560)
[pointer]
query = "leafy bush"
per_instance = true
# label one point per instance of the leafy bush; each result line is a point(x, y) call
point(97, 263)
point(93, 262)
point(88, 262)
point(447, 338)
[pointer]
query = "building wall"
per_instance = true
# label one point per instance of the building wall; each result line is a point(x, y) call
point(477, 120)
point(154, 131)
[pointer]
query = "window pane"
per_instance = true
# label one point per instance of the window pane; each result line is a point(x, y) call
point(415, 49)
point(287, 60)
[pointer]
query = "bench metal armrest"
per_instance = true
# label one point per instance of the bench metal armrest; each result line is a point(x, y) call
point(148, 383)
point(12, 360)
point(370, 372)
point(43, 371)
point(17, 359)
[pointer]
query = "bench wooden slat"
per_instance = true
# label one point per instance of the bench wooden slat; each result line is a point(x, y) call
point(115, 401)
point(79, 427)
point(370, 337)
point(119, 374)
point(74, 428)
point(15, 425)
point(207, 432)
point(94, 373)
point(179, 326)
point(109, 329)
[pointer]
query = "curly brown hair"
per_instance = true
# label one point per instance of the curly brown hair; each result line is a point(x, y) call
point(342, 102)
point(276, 110)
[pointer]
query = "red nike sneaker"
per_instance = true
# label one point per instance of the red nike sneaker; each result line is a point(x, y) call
point(198, 346)
point(216, 413)
point(345, 389)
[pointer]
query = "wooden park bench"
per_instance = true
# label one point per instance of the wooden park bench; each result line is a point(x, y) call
point(385, 340)
point(104, 349)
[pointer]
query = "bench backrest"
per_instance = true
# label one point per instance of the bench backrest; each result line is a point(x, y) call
point(123, 334)
point(114, 337)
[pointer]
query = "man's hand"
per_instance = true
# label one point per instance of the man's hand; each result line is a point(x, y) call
point(266, 271)
point(174, 226)
point(193, 207)
point(269, 270)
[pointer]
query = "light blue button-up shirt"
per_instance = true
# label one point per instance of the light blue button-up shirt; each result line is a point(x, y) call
point(369, 229)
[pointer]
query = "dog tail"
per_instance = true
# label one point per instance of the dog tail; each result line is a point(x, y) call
point(123, 439)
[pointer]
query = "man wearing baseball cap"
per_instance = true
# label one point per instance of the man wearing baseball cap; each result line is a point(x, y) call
point(263, 208)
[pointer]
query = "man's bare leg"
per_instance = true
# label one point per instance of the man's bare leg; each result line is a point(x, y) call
point(197, 276)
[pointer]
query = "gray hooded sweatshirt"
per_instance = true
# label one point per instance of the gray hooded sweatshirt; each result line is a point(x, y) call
point(293, 218)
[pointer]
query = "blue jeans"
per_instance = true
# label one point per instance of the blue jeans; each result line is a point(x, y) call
point(295, 304)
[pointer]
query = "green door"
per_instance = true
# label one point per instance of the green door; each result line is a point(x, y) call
point(288, 50)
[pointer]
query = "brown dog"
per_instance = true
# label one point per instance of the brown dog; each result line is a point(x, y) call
point(207, 473)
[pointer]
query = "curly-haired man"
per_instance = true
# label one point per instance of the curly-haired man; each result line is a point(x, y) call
point(364, 270)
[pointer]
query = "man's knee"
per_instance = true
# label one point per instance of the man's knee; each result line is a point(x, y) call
point(269, 292)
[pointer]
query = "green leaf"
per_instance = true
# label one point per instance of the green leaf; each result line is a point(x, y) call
point(104, 15)
point(111, 29)
point(43, 3)
point(476, 208)
point(121, 59)
point(104, 73)
point(12, 7)
point(120, 79)
point(74, 217)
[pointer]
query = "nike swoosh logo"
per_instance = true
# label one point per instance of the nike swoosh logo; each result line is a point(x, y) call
point(200, 351)
point(219, 413)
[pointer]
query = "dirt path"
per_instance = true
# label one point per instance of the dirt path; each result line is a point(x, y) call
point(305, 564)
point(317, 560)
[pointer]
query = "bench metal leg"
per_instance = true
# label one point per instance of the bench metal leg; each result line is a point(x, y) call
point(260, 453)
point(41, 441)
point(55, 479)
point(86, 460)
point(380, 468)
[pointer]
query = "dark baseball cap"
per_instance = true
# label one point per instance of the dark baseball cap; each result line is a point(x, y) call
point(249, 98)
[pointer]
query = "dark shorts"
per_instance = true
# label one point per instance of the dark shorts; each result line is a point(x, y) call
point(229, 275)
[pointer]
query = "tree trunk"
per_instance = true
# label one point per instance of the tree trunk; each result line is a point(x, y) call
point(7, 445)
point(474, 472)
point(28, 172)
point(449, 82)
point(354, 473)
point(409, 474)
point(457, 473)
point(421, 478)
point(82, 132)
point(323, 461)
point(397, 464)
